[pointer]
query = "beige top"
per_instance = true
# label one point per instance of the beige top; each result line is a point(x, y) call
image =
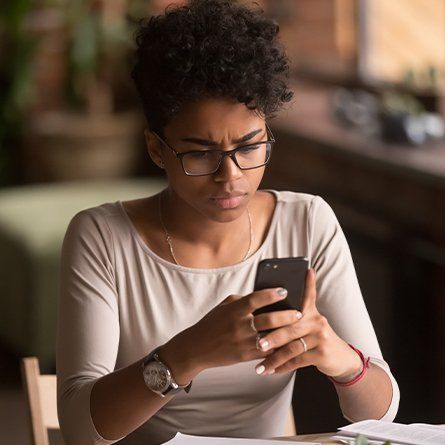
point(119, 300)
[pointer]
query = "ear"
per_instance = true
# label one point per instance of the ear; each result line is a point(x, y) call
point(154, 148)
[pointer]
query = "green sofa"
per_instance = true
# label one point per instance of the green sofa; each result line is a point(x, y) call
point(33, 221)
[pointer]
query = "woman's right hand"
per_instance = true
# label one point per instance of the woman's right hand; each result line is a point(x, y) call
point(224, 336)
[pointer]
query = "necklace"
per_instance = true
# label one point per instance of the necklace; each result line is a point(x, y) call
point(168, 238)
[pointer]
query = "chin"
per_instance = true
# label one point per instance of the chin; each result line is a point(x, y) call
point(225, 215)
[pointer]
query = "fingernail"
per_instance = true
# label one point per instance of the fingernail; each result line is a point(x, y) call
point(264, 344)
point(272, 371)
point(282, 292)
point(298, 314)
point(260, 369)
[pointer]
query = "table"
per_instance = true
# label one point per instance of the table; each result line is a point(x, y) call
point(325, 439)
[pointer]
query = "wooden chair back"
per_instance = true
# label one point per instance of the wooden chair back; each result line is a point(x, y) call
point(290, 429)
point(41, 397)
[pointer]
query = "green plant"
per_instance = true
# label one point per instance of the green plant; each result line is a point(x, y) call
point(362, 440)
point(401, 103)
point(100, 51)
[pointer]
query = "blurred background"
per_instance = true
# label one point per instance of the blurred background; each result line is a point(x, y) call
point(365, 131)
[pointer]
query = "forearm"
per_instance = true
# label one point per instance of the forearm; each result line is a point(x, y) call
point(120, 402)
point(369, 398)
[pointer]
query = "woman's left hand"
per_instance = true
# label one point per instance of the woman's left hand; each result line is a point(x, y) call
point(325, 349)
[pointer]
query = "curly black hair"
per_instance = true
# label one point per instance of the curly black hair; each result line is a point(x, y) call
point(209, 48)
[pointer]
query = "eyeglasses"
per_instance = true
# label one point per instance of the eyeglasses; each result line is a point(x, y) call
point(207, 162)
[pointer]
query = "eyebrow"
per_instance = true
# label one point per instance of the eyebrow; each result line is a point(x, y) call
point(208, 143)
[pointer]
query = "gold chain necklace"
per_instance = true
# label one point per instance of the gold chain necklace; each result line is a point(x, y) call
point(168, 238)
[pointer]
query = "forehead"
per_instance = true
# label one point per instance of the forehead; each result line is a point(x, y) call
point(216, 119)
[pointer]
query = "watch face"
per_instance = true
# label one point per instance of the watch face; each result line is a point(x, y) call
point(156, 376)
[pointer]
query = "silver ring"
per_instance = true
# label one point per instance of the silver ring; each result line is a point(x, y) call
point(258, 338)
point(252, 324)
point(303, 343)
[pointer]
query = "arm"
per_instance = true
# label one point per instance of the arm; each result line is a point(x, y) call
point(370, 398)
point(120, 401)
point(340, 300)
point(334, 315)
point(96, 404)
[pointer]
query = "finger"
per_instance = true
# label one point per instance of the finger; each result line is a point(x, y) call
point(282, 336)
point(310, 292)
point(276, 319)
point(255, 354)
point(261, 298)
point(282, 355)
point(303, 360)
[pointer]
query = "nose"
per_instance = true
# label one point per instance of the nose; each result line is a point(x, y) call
point(228, 170)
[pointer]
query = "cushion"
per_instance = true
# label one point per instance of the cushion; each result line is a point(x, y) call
point(33, 221)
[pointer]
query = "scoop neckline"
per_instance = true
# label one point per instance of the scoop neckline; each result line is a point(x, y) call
point(214, 270)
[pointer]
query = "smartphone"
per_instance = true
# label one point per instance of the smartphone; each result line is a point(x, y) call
point(289, 273)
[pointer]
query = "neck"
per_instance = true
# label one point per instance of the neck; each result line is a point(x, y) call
point(185, 225)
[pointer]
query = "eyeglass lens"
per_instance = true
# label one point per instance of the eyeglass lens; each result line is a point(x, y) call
point(206, 162)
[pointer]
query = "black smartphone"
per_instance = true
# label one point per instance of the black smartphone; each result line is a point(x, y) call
point(289, 273)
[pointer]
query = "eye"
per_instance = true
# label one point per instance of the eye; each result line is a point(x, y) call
point(249, 148)
point(200, 154)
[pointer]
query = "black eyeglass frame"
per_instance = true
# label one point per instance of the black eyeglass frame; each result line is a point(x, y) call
point(223, 153)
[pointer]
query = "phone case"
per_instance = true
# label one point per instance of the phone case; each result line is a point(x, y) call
point(289, 273)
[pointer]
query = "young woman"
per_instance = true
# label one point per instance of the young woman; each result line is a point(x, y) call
point(156, 331)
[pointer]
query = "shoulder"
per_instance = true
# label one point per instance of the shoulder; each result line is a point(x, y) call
point(313, 204)
point(306, 210)
point(95, 222)
point(289, 199)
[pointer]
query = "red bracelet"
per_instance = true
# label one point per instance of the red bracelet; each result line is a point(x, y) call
point(365, 363)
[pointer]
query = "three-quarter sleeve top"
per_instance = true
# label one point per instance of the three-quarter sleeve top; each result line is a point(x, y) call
point(119, 301)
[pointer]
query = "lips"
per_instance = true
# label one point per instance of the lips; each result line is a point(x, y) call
point(228, 200)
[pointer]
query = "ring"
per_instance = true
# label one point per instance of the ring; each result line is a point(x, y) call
point(303, 343)
point(258, 338)
point(252, 324)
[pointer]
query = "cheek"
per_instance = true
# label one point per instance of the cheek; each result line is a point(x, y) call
point(187, 187)
point(254, 177)
point(177, 179)
point(193, 189)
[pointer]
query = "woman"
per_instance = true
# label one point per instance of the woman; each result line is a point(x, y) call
point(156, 293)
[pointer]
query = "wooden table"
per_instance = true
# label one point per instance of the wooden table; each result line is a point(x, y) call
point(325, 439)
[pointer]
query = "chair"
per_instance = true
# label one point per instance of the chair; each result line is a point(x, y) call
point(289, 429)
point(41, 398)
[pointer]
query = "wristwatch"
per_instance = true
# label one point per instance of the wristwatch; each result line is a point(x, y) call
point(158, 377)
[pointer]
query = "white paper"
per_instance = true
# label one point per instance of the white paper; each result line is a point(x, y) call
point(351, 440)
point(415, 434)
point(429, 425)
point(185, 439)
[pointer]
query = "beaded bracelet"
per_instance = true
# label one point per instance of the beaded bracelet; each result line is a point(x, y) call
point(365, 363)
